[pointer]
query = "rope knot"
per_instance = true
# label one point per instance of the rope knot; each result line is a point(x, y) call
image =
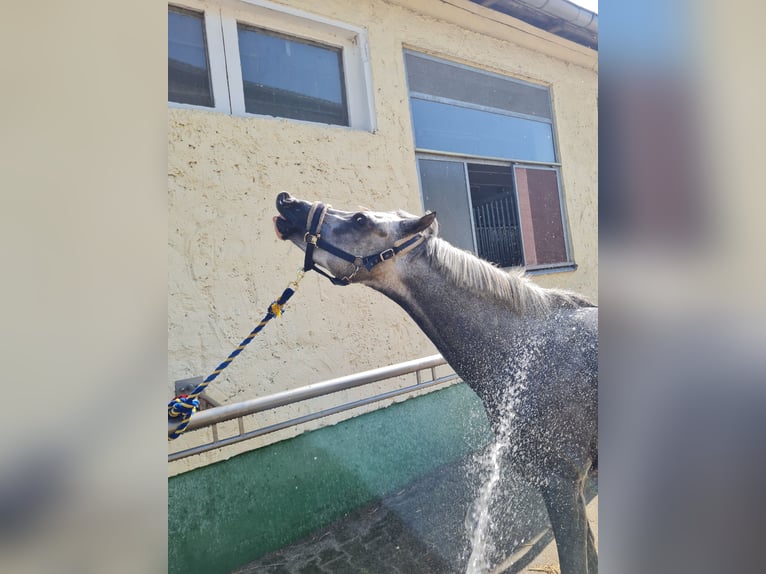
point(183, 406)
point(276, 309)
point(180, 410)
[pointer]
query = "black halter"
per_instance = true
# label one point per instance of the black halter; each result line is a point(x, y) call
point(313, 240)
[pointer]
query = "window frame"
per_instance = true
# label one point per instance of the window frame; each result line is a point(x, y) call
point(338, 50)
point(215, 56)
point(513, 163)
point(562, 213)
point(481, 107)
point(569, 264)
point(459, 103)
point(221, 20)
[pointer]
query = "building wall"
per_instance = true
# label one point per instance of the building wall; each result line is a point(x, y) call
point(226, 264)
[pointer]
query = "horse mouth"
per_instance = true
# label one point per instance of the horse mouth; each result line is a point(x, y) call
point(285, 224)
point(283, 228)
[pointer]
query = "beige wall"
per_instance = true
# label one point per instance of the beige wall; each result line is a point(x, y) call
point(225, 263)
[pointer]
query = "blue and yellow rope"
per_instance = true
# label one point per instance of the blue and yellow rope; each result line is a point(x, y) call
point(180, 409)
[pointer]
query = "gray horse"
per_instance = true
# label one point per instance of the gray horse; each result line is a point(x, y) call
point(530, 353)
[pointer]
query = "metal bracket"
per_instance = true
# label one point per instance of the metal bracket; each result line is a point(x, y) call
point(185, 386)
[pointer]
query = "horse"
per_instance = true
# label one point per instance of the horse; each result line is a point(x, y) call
point(530, 353)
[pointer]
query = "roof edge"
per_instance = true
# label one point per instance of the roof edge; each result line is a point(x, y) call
point(559, 17)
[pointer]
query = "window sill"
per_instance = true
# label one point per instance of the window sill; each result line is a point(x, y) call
point(558, 268)
point(181, 106)
point(303, 122)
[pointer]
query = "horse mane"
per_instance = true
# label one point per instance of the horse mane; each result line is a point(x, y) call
point(513, 287)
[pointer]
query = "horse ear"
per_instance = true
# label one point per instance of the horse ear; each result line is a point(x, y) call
point(418, 225)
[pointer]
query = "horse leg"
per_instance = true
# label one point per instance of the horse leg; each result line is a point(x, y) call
point(565, 501)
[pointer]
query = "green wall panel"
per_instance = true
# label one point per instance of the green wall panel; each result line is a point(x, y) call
point(230, 513)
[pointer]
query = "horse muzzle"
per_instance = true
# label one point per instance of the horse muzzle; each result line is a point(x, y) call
point(291, 221)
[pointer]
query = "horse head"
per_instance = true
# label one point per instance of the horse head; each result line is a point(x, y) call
point(354, 246)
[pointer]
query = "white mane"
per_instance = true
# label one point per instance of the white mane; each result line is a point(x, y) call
point(523, 296)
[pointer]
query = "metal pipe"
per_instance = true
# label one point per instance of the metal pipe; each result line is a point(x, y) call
point(307, 418)
point(228, 412)
point(581, 24)
point(567, 11)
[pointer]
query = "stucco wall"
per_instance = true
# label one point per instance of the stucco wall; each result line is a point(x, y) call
point(226, 264)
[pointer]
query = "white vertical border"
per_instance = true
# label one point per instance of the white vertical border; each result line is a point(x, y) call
point(233, 65)
point(359, 93)
point(217, 61)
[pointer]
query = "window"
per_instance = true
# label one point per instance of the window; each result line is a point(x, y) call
point(290, 78)
point(487, 162)
point(188, 71)
point(542, 225)
point(255, 57)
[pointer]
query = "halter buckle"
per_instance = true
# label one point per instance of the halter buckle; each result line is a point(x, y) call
point(310, 238)
point(348, 278)
point(387, 254)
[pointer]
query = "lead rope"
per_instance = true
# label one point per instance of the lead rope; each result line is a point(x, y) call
point(181, 408)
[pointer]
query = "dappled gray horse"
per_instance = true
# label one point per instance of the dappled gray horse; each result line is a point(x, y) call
point(530, 353)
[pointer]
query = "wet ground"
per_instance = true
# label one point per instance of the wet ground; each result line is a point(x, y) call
point(421, 530)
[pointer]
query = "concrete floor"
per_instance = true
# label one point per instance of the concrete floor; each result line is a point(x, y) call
point(546, 561)
point(421, 530)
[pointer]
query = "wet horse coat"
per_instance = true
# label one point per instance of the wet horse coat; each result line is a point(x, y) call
point(531, 354)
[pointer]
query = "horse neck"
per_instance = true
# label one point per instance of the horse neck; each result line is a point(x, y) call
point(462, 324)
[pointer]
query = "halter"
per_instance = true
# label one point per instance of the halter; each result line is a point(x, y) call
point(314, 240)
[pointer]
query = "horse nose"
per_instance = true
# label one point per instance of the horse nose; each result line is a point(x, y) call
point(284, 198)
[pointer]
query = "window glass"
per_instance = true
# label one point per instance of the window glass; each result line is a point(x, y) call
point(540, 214)
point(427, 76)
point(188, 70)
point(456, 129)
point(444, 191)
point(290, 78)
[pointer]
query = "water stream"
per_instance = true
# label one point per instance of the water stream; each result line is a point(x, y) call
point(483, 534)
point(479, 521)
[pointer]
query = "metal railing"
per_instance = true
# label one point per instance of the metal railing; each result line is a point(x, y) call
point(497, 232)
point(212, 417)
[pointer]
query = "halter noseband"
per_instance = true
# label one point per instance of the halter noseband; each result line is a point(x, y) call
point(314, 240)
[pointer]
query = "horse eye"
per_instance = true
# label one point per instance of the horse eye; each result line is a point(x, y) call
point(360, 219)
